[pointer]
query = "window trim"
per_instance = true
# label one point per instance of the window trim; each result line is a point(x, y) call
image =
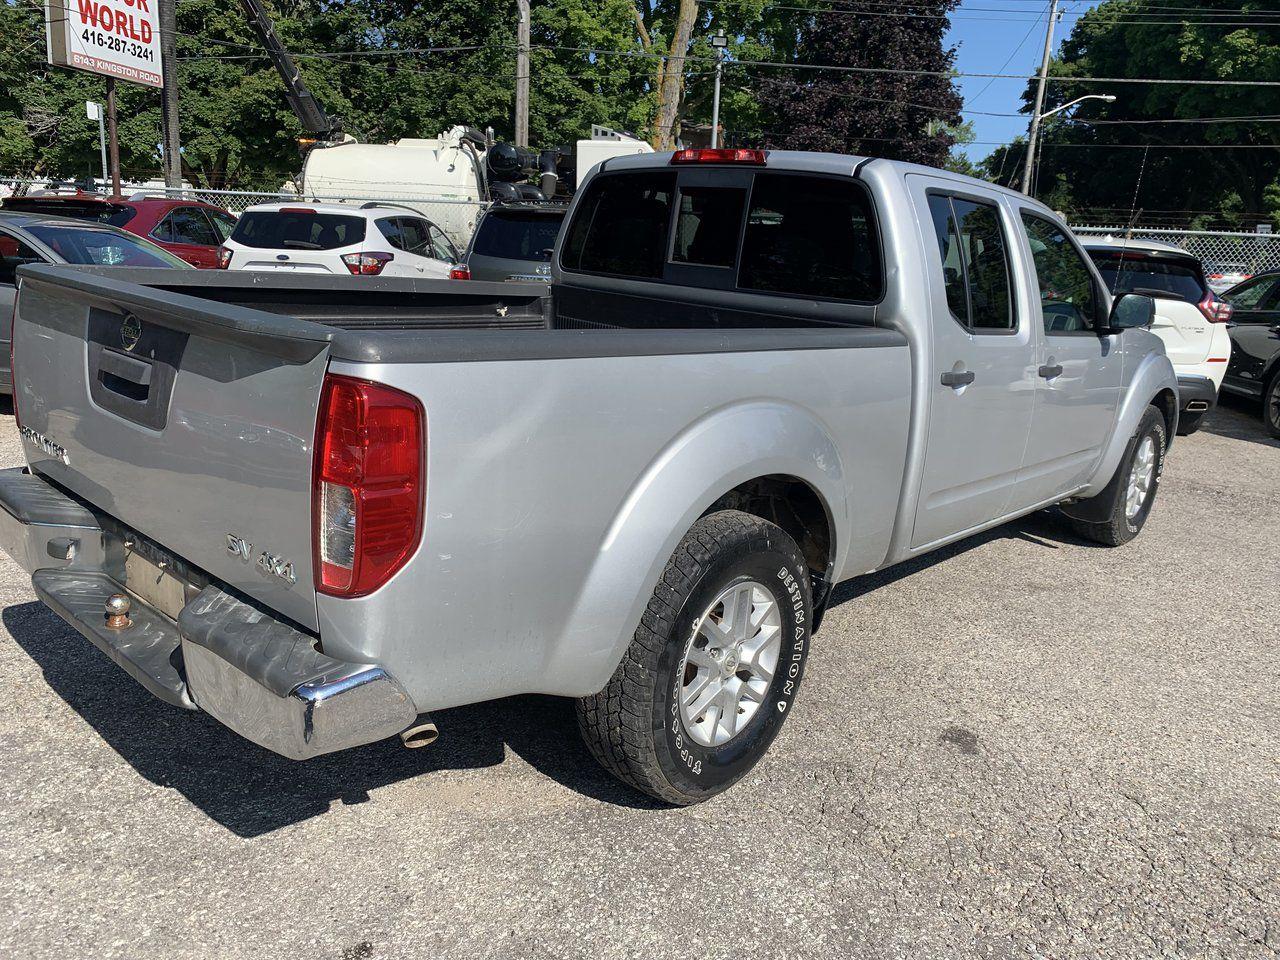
point(1099, 329)
point(709, 280)
point(986, 201)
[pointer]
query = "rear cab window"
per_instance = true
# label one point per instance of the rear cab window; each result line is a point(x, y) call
point(975, 263)
point(298, 229)
point(780, 233)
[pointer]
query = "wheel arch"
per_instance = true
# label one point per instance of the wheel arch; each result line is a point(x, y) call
point(772, 459)
point(1153, 384)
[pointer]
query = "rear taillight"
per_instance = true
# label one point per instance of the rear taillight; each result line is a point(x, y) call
point(1215, 310)
point(369, 482)
point(224, 258)
point(366, 264)
point(703, 155)
point(460, 272)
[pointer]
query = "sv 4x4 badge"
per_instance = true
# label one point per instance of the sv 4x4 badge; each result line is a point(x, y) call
point(268, 563)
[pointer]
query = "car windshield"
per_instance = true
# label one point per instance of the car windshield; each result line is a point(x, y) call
point(104, 248)
point(1156, 276)
point(518, 235)
point(297, 229)
point(93, 211)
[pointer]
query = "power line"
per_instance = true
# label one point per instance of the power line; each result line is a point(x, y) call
point(901, 14)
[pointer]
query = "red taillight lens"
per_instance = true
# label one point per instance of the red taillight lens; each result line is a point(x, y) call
point(224, 258)
point(369, 483)
point(460, 272)
point(721, 155)
point(1215, 310)
point(366, 264)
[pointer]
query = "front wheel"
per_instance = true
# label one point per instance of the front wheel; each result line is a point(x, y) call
point(1117, 514)
point(714, 667)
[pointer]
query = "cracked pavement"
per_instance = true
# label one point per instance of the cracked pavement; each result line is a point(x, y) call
point(1024, 745)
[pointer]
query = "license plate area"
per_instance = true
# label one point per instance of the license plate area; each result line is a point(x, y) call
point(158, 580)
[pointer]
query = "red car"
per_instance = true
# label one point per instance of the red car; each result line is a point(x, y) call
point(188, 229)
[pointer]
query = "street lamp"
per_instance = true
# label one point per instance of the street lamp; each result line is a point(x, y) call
point(719, 42)
point(1034, 136)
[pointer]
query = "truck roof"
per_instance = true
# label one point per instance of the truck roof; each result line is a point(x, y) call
point(838, 164)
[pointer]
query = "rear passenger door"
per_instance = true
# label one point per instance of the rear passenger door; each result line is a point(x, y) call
point(1255, 332)
point(982, 382)
point(1077, 384)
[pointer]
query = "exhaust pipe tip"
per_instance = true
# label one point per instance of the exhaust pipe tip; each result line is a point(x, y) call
point(421, 734)
point(1197, 406)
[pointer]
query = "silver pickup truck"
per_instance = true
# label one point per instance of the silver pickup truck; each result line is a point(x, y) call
point(320, 509)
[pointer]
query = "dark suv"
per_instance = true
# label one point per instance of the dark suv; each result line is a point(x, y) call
point(514, 242)
point(189, 229)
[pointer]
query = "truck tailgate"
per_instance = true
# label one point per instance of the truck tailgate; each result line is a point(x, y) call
point(190, 421)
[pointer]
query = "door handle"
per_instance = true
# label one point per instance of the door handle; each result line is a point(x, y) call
point(953, 379)
point(1051, 371)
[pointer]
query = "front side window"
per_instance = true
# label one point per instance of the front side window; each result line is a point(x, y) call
point(707, 226)
point(223, 223)
point(975, 263)
point(813, 237)
point(1258, 294)
point(1068, 297)
point(442, 247)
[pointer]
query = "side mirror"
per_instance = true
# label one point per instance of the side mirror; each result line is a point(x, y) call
point(1131, 310)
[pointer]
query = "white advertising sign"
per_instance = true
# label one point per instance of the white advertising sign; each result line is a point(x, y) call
point(117, 38)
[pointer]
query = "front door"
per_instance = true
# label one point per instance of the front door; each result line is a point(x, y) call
point(1080, 369)
point(981, 386)
point(1255, 333)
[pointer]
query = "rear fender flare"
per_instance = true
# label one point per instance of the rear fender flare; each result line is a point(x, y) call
point(712, 456)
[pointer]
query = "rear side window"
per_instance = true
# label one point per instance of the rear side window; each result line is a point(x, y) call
point(297, 229)
point(975, 263)
point(621, 228)
point(813, 237)
point(186, 225)
point(1126, 271)
point(517, 235)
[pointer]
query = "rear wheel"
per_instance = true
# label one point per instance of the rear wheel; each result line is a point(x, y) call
point(714, 666)
point(1117, 514)
point(1271, 405)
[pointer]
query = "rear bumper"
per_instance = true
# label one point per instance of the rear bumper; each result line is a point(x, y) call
point(1196, 394)
point(258, 675)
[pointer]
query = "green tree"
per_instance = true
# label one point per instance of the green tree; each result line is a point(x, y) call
point(1190, 168)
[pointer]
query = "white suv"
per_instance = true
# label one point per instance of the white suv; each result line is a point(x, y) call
point(1190, 318)
point(376, 239)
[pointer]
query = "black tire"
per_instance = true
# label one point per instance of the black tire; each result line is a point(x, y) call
point(1271, 405)
point(1189, 423)
point(1103, 518)
point(634, 726)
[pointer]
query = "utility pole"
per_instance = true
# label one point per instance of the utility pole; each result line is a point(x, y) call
point(719, 42)
point(112, 139)
point(1035, 113)
point(522, 75)
point(168, 10)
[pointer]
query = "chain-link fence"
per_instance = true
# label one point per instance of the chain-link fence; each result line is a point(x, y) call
point(457, 218)
point(1220, 251)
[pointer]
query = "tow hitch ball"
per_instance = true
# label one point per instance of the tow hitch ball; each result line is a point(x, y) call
point(117, 611)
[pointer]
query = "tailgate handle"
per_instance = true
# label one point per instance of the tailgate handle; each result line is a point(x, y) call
point(127, 376)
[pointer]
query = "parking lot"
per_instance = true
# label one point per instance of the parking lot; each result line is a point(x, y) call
point(1023, 745)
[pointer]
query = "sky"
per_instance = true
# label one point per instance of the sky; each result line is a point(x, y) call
point(1002, 36)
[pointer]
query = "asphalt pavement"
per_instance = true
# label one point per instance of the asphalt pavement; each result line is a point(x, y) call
point(1023, 746)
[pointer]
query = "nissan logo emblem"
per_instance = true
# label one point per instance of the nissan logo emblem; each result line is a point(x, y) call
point(130, 332)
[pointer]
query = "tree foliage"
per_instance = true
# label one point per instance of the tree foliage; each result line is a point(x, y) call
point(898, 115)
point(1216, 172)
